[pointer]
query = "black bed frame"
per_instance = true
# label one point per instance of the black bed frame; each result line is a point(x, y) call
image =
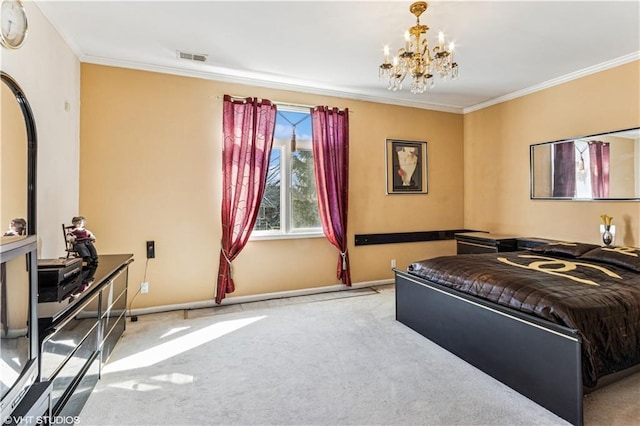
point(539, 359)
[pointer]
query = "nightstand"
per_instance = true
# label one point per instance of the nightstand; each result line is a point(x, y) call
point(484, 242)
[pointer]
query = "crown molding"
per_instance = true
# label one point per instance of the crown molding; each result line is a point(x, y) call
point(556, 81)
point(341, 93)
point(263, 82)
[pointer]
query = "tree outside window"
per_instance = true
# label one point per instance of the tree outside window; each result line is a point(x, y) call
point(290, 203)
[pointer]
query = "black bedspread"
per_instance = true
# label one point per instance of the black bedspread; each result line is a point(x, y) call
point(601, 301)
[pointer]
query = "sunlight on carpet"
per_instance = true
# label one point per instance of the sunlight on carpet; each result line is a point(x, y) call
point(174, 331)
point(179, 345)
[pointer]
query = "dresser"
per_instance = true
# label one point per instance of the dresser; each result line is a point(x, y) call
point(78, 333)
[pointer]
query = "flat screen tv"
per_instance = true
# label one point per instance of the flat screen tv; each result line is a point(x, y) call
point(18, 325)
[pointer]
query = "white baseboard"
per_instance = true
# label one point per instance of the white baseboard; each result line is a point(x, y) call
point(256, 297)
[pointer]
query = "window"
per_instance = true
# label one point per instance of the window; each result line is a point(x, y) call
point(289, 207)
point(583, 170)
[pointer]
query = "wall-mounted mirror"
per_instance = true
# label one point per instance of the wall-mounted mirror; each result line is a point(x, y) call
point(605, 166)
point(17, 158)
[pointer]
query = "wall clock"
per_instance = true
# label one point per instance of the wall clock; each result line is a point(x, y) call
point(13, 24)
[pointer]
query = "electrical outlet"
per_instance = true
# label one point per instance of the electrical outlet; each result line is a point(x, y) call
point(144, 287)
point(393, 263)
point(151, 249)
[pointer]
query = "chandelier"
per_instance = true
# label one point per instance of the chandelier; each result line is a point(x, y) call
point(415, 58)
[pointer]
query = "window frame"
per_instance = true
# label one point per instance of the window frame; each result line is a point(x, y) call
point(285, 231)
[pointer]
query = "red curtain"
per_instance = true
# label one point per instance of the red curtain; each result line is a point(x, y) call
point(247, 127)
point(564, 170)
point(330, 130)
point(599, 153)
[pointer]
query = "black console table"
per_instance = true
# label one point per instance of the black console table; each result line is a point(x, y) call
point(78, 334)
point(485, 242)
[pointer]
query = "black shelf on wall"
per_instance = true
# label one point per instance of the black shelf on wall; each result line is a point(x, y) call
point(407, 237)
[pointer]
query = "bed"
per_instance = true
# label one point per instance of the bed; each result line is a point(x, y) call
point(552, 323)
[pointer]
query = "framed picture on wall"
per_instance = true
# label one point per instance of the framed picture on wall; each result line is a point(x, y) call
point(406, 167)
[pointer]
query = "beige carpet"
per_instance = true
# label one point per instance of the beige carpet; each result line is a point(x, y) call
point(338, 359)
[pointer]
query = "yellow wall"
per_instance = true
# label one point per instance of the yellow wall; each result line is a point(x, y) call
point(150, 170)
point(496, 157)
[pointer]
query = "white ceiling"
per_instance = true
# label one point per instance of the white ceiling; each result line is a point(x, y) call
point(504, 48)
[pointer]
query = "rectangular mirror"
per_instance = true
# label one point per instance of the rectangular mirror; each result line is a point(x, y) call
point(605, 166)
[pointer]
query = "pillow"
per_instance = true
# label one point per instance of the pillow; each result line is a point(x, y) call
point(625, 257)
point(566, 249)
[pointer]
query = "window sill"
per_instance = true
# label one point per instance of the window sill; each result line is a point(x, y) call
point(283, 236)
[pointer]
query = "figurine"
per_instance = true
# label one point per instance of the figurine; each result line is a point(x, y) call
point(18, 226)
point(82, 240)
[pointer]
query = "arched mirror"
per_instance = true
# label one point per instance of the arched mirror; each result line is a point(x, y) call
point(18, 146)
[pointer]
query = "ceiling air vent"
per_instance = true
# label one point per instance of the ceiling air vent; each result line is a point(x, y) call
point(198, 57)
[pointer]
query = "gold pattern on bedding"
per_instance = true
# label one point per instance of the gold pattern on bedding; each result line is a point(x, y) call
point(627, 251)
point(559, 267)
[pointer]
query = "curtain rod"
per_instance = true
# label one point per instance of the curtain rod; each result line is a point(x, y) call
point(275, 102)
